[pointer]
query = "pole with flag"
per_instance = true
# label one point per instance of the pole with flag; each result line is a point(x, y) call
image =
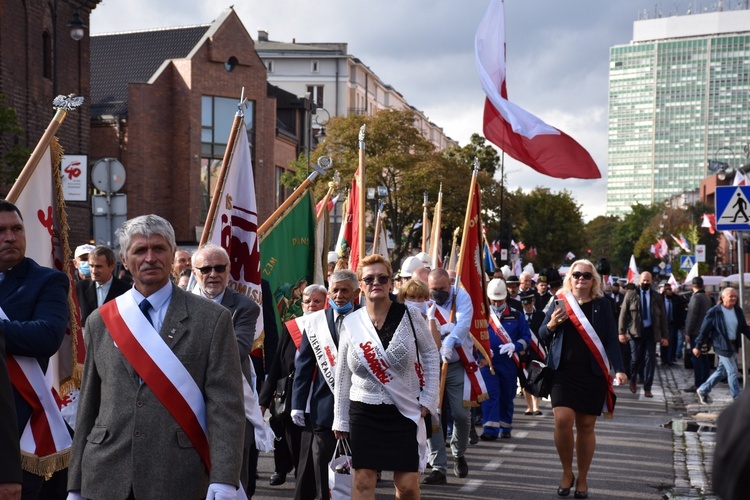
point(37, 193)
point(453, 260)
point(436, 238)
point(632, 270)
point(425, 223)
point(362, 197)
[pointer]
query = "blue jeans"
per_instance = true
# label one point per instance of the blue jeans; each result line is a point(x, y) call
point(454, 396)
point(727, 368)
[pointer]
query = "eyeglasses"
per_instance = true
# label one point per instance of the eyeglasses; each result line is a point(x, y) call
point(586, 276)
point(207, 269)
point(369, 280)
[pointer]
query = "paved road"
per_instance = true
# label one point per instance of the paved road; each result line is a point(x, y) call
point(634, 455)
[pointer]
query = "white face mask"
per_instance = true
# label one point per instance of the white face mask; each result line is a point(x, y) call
point(422, 306)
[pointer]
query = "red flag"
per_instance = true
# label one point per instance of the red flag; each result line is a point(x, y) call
point(472, 274)
point(709, 221)
point(514, 130)
point(351, 224)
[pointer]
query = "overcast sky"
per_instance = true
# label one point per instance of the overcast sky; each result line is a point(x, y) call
point(558, 57)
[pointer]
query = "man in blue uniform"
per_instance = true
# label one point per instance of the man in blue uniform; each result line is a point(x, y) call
point(509, 336)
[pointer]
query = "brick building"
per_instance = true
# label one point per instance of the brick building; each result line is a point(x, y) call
point(163, 103)
point(39, 59)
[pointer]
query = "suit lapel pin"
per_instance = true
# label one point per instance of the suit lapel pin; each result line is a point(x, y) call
point(171, 336)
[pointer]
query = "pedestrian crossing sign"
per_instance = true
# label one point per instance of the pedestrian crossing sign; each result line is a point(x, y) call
point(733, 208)
point(686, 262)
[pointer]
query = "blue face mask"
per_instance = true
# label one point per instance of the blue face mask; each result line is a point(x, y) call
point(341, 310)
point(84, 269)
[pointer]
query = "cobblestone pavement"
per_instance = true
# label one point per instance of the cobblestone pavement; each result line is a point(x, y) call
point(693, 431)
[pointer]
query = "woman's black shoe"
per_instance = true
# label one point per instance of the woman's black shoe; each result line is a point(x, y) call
point(581, 494)
point(563, 492)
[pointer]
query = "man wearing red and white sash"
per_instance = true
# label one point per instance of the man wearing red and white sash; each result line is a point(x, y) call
point(33, 318)
point(456, 350)
point(160, 411)
point(509, 336)
point(312, 393)
point(583, 346)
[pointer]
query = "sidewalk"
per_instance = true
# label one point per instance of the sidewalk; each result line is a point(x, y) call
point(693, 431)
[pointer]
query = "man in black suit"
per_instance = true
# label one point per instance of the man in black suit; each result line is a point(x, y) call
point(10, 455)
point(535, 318)
point(310, 379)
point(211, 266)
point(674, 306)
point(103, 285)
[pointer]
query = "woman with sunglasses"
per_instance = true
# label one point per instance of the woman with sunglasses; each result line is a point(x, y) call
point(582, 333)
point(386, 382)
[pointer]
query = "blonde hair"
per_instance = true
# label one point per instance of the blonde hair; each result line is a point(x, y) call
point(371, 260)
point(413, 288)
point(596, 287)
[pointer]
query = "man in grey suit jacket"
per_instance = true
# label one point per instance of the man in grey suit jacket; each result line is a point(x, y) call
point(211, 266)
point(128, 441)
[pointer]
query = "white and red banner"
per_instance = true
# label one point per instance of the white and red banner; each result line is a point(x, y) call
point(351, 224)
point(235, 226)
point(514, 130)
point(632, 270)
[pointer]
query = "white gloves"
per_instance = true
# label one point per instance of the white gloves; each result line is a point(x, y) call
point(298, 417)
point(75, 495)
point(508, 349)
point(446, 353)
point(446, 329)
point(221, 491)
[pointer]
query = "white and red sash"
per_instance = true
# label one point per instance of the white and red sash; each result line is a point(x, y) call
point(45, 441)
point(537, 347)
point(322, 344)
point(503, 335)
point(370, 352)
point(475, 390)
point(296, 328)
point(159, 368)
point(594, 343)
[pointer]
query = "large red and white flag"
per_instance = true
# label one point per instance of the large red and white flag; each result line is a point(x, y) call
point(513, 129)
point(632, 270)
point(235, 226)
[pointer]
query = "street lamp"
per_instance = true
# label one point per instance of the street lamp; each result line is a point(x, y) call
point(721, 168)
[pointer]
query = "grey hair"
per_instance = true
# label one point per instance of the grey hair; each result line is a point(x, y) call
point(344, 275)
point(313, 289)
point(145, 225)
point(207, 249)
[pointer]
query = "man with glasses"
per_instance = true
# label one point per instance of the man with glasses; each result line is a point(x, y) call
point(211, 266)
point(643, 322)
point(312, 390)
point(160, 411)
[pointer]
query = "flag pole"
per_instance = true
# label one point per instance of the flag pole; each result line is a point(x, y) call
point(454, 243)
point(378, 224)
point(424, 223)
point(238, 117)
point(362, 191)
point(324, 163)
point(62, 105)
point(437, 220)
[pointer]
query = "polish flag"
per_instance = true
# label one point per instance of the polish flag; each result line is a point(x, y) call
point(692, 274)
point(709, 221)
point(672, 281)
point(514, 130)
point(740, 179)
point(632, 270)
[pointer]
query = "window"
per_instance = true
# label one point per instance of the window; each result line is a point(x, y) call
point(269, 66)
point(280, 189)
point(316, 94)
point(217, 115)
point(315, 66)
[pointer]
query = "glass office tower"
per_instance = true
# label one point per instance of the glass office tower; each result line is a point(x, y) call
point(678, 97)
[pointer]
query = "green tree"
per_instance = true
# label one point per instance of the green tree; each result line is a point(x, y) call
point(627, 235)
point(550, 222)
point(478, 148)
point(598, 236)
point(13, 156)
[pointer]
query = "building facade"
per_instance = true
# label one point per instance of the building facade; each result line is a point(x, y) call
point(336, 81)
point(39, 59)
point(163, 102)
point(678, 99)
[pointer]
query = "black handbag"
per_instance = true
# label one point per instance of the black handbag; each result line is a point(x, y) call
point(539, 380)
point(280, 405)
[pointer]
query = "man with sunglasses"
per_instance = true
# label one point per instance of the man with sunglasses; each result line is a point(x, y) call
point(643, 323)
point(312, 390)
point(211, 266)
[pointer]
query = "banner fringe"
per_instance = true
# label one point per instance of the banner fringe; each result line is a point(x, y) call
point(45, 466)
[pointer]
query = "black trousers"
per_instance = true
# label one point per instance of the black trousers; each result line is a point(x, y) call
point(316, 450)
point(286, 445)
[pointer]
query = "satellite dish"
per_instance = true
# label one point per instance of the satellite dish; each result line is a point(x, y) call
point(108, 175)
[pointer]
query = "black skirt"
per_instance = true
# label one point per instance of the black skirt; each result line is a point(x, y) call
point(381, 438)
point(574, 383)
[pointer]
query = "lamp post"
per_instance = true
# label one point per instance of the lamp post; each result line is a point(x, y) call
point(322, 118)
